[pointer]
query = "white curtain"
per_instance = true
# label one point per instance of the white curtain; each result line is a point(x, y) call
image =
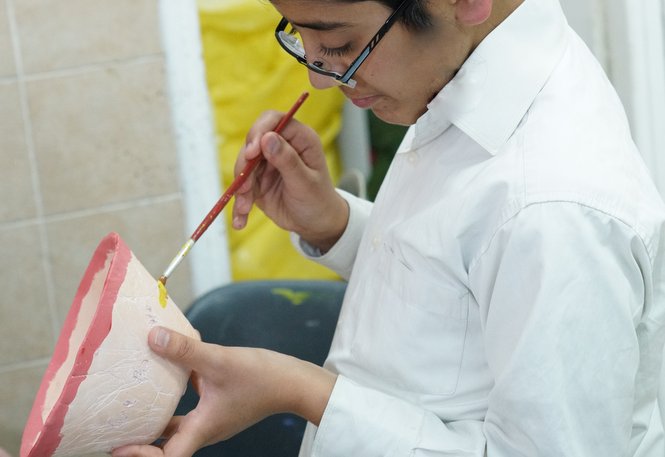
point(628, 38)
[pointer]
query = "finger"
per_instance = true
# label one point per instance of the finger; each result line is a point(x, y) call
point(181, 445)
point(248, 152)
point(239, 221)
point(177, 347)
point(172, 427)
point(197, 382)
point(282, 156)
point(188, 438)
point(136, 450)
point(265, 123)
point(242, 204)
point(244, 196)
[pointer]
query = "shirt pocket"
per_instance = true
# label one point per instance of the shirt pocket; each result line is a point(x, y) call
point(411, 329)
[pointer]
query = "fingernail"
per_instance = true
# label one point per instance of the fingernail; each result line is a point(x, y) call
point(272, 144)
point(237, 223)
point(162, 337)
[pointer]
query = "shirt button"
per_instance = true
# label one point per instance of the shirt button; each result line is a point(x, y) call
point(376, 241)
point(412, 157)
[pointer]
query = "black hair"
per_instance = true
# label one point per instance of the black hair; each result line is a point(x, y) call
point(414, 16)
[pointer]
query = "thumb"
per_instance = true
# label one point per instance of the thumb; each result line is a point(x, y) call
point(176, 347)
point(281, 154)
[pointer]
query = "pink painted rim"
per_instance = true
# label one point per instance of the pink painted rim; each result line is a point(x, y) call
point(42, 439)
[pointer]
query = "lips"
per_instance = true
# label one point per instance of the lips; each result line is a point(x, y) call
point(361, 101)
point(364, 102)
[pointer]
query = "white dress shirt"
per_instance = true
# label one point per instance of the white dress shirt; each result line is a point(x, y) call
point(506, 290)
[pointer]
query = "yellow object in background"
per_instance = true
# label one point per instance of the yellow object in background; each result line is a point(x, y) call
point(247, 73)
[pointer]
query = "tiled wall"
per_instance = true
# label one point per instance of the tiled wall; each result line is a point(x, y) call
point(86, 147)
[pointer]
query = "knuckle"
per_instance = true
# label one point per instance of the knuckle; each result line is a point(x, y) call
point(185, 349)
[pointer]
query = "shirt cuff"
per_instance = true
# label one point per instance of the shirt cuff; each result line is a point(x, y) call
point(342, 255)
point(390, 425)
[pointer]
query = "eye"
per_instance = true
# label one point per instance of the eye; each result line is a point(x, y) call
point(335, 52)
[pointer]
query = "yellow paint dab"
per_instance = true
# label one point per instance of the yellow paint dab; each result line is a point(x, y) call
point(163, 294)
point(296, 298)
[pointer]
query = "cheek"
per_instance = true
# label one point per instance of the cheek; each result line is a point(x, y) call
point(385, 76)
point(398, 71)
point(405, 88)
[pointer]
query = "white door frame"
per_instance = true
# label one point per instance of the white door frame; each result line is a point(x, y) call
point(195, 141)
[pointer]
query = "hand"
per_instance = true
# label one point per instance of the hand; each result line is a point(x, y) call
point(238, 387)
point(293, 187)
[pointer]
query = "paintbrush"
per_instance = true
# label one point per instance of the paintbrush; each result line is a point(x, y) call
point(224, 199)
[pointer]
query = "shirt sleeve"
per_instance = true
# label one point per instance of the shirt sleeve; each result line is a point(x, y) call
point(361, 421)
point(342, 255)
point(561, 289)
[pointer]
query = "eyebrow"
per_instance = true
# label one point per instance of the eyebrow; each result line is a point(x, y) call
point(321, 25)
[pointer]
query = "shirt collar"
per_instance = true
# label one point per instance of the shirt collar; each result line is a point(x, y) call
point(492, 91)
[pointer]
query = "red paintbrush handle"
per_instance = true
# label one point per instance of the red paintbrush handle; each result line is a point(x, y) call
point(224, 199)
point(242, 177)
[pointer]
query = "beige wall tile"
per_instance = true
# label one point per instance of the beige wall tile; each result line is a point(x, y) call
point(17, 392)
point(7, 67)
point(56, 34)
point(105, 138)
point(154, 233)
point(25, 322)
point(15, 178)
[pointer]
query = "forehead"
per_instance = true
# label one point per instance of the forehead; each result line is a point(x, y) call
point(330, 14)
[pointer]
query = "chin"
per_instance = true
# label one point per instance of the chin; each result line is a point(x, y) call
point(399, 111)
point(395, 117)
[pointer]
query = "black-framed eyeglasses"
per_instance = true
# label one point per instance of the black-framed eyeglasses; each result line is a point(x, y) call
point(291, 43)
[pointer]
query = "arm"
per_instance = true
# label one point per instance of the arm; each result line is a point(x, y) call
point(568, 291)
point(342, 255)
point(560, 289)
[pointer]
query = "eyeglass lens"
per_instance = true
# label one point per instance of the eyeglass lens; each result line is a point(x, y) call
point(293, 42)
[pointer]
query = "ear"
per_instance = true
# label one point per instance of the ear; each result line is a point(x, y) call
point(472, 12)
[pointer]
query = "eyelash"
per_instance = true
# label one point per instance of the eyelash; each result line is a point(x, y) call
point(335, 52)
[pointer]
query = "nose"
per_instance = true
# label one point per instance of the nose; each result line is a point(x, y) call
point(319, 81)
